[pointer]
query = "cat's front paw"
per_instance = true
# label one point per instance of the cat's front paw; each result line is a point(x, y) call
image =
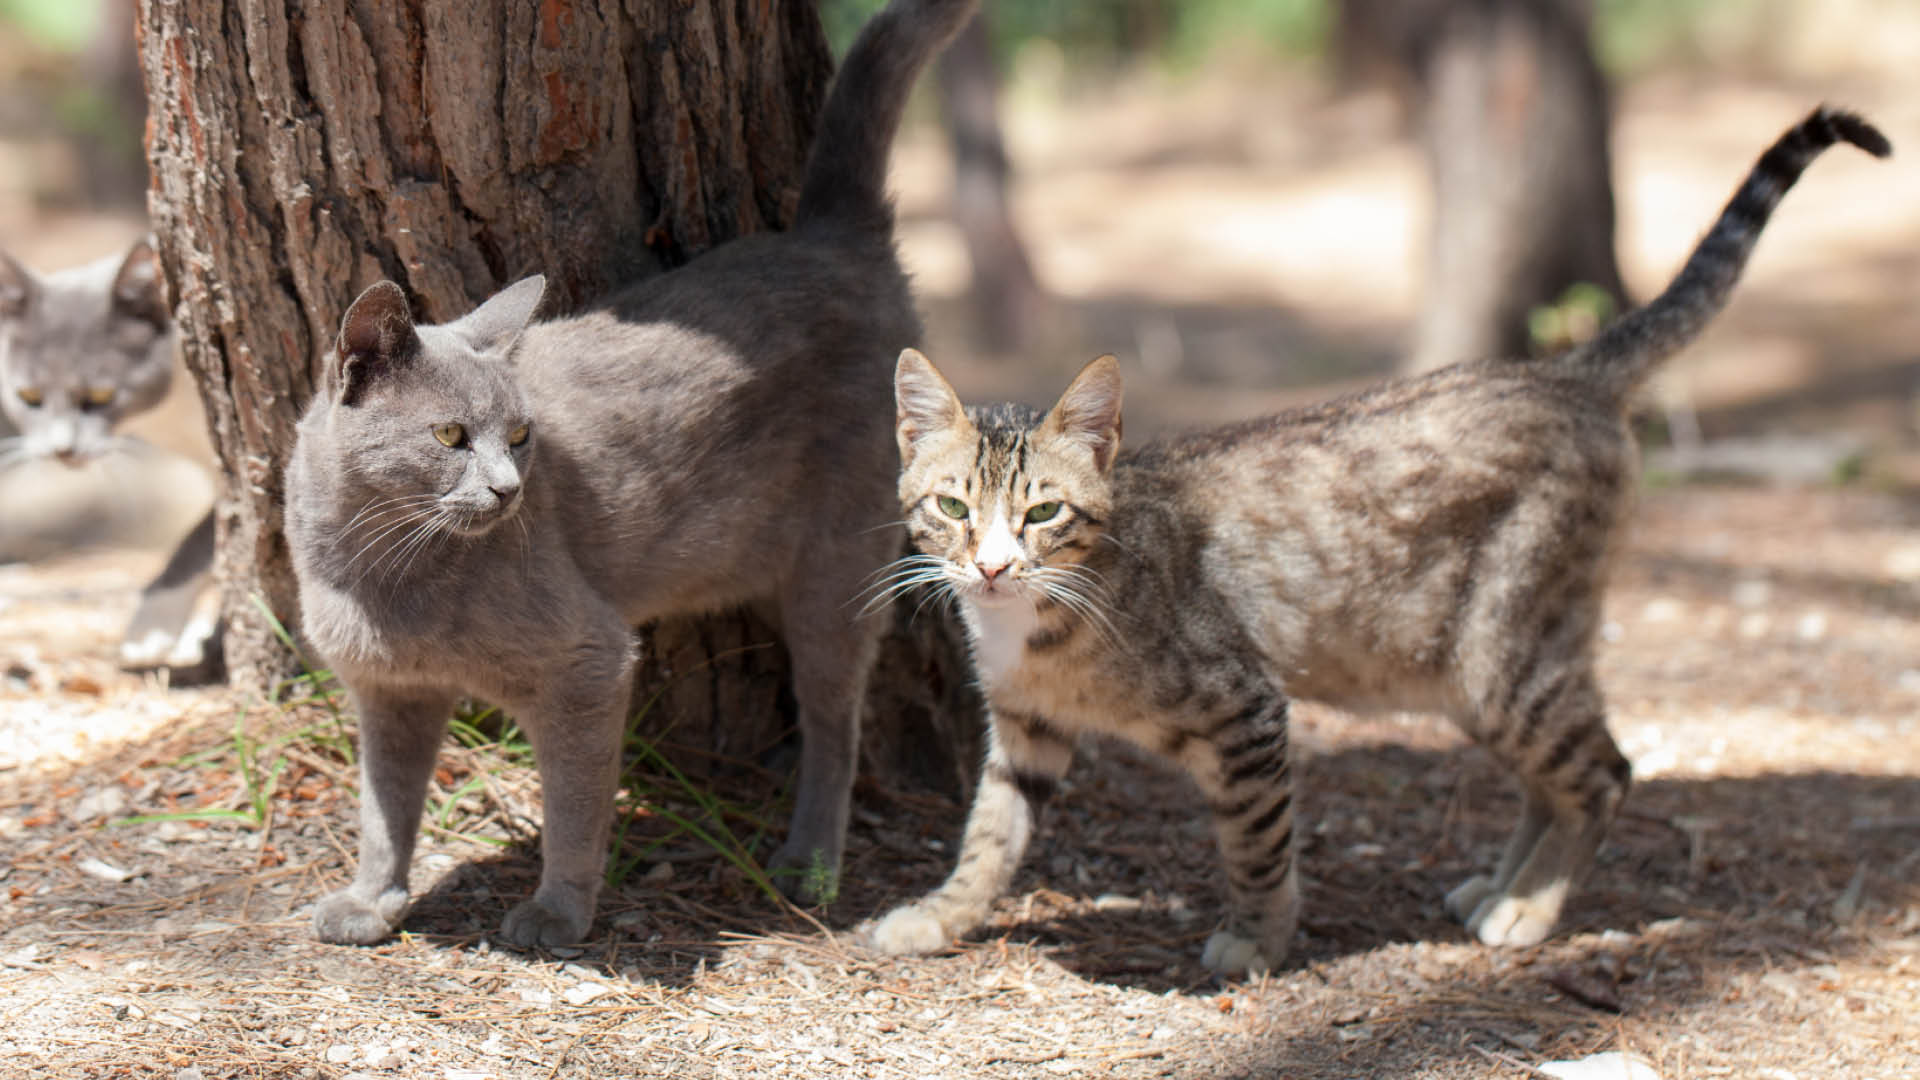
point(1228, 953)
point(534, 924)
point(908, 930)
point(1511, 920)
point(345, 918)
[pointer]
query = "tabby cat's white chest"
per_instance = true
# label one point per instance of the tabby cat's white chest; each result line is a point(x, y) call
point(999, 633)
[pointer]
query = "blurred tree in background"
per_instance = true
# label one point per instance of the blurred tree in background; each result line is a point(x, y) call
point(70, 96)
point(1512, 114)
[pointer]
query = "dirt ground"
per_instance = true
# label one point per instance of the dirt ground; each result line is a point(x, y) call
point(1756, 912)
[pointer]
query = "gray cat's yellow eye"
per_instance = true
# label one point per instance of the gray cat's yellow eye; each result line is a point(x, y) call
point(31, 396)
point(450, 434)
point(99, 397)
point(518, 435)
point(1040, 512)
point(952, 507)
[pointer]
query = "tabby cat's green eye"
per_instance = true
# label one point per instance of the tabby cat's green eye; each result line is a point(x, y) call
point(1040, 512)
point(953, 508)
point(100, 397)
point(450, 434)
point(29, 395)
point(518, 435)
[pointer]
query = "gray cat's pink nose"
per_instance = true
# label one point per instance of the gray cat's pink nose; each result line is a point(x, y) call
point(504, 493)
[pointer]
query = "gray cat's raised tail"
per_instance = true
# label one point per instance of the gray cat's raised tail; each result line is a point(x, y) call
point(1628, 350)
point(846, 180)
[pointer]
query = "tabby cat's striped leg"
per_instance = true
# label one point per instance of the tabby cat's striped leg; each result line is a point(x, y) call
point(1242, 766)
point(1025, 760)
point(1556, 740)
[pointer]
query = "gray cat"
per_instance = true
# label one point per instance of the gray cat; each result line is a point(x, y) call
point(490, 506)
point(80, 351)
point(1438, 543)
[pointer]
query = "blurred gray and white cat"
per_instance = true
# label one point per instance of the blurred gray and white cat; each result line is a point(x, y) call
point(489, 506)
point(80, 351)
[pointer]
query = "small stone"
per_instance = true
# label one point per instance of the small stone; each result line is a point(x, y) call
point(1662, 610)
point(339, 1054)
point(1812, 626)
point(584, 992)
point(1752, 593)
point(189, 1073)
point(103, 802)
point(658, 874)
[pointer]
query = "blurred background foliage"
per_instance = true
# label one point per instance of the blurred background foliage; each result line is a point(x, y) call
point(67, 83)
point(1182, 36)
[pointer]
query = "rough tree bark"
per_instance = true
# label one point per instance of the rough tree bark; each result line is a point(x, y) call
point(300, 152)
point(1512, 112)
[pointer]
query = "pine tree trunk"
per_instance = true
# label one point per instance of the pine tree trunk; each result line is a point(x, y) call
point(1008, 303)
point(1512, 112)
point(300, 152)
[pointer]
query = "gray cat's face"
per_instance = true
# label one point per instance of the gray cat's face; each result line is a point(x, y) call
point(81, 350)
point(424, 428)
point(1003, 503)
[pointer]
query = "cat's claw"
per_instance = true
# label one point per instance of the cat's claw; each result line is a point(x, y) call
point(908, 930)
point(344, 918)
point(533, 924)
point(1228, 953)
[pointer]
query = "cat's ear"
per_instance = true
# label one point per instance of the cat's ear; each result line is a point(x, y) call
point(493, 327)
point(375, 336)
point(139, 291)
point(17, 288)
point(926, 405)
point(1089, 412)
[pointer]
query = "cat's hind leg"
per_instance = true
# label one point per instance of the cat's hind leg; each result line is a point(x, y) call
point(1242, 766)
point(399, 740)
point(1026, 759)
point(1555, 740)
point(177, 624)
point(831, 648)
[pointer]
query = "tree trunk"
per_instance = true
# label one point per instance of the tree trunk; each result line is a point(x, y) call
point(1512, 112)
point(1008, 304)
point(300, 152)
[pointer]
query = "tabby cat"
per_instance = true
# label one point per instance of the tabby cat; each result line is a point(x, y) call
point(488, 507)
point(1438, 543)
point(80, 351)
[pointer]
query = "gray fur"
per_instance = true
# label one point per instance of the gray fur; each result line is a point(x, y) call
point(1438, 544)
point(81, 350)
point(713, 437)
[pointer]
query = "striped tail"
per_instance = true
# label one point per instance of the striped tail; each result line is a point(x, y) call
point(846, 180)
point(1626, 352)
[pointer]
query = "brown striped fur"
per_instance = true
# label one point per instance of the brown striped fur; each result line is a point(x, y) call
point(1438, 543)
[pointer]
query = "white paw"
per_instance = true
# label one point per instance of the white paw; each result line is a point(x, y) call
point(1230, 954)
point(1465, 899)
point(146, 652)
point(1507, 920)
point(190, 649)
point(909, 930)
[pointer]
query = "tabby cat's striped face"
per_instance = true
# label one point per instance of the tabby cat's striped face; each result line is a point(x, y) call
point(1002, 503)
